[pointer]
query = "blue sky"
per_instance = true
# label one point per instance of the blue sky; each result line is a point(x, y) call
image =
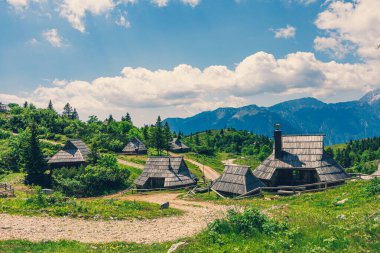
point(54, 47)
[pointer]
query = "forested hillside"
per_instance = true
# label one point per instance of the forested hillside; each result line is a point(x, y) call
point(360, 156)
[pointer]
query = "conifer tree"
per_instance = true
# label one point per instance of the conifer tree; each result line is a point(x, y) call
point(75, 115)
point(50, 106)
point(34, 159)
point(25, 104)
point(167, 137)
point(67, 110)
point(158, 136)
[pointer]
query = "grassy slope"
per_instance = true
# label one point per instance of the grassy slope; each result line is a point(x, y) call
point(316, 218)
point(313, 220)
point(214, 162)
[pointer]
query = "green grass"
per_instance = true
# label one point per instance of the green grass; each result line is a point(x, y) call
point(312, 222)
point(251, 161)
point(335, 147)
point(135, 159)
point(315, 217)
point(214, 161)
point(13, 178)
point(135, 172)
point(18, 246)
point(94, 208)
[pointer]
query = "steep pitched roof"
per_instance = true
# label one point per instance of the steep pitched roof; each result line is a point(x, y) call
point(177, 144)
point(4, 107)
point(302, 152)
point(173, 169)
point(237, 179)
point(74, 151)
point(134, 144)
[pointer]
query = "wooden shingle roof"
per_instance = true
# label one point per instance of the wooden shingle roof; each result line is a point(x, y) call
point(172, 169)
point(133, 145)
point(74, 151)
point(177, 144)
point(302, 152)
point(237, 179)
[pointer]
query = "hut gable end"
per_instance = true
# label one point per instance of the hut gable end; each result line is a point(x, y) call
point(236, 180)
point(302, 152)
point(74, 152)
point(167, 172)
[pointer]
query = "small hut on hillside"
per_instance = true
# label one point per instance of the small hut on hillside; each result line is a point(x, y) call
point(236, 180)
point(165, 172)
point(298, 160)
point(135, 147)
point(74, 153)
point(177, 146)
point(4, 107)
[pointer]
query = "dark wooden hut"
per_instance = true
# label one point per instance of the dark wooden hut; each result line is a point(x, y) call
point(299, 160)
point(177, 146)
point(74, 153)
point(236, 180)
point(4, 107)
point(135, 147)
point(165, 172)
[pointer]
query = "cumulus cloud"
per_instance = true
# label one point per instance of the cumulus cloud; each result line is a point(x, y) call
point(160, 3)
point(20, 5)
point(192, 3)
point(304, 2)
point(74, 11)
point(123, 21)
point(186, 89)
point(350, 23)
point(285, 33)
point(53, 37)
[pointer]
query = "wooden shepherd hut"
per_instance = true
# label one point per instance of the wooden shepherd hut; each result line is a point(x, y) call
point(4, 107)
point(74, 153)
point(165, 172)
point(135, 147)
point(236, 180)
point(177, 146)
point(298, 160)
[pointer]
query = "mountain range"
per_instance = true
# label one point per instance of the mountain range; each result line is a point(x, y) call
point(340, 122)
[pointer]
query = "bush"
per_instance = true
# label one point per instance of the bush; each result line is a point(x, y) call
point(247, 223)
point(373, 187)
point(104, 177)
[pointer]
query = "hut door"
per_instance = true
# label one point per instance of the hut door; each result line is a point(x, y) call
point(157, 182)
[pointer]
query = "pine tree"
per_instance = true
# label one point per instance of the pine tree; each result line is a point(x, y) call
point(67, 111)
point(127, 118)
point(75, 115)
point(110, 119)
point(34, 159)
point(146, 133)
point(158, 136)
point(50, 106)
point(25, 104)
point(167, 137)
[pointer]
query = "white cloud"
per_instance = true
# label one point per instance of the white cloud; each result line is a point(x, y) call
point(192, 3)
point(285, 33)
point(53, 37)
point(304, 2)
point(352, 23)
point(20, 5)
point(185, 90)
point(75, 11)
point(123, 21)
point(333, 46)
point(160, 3)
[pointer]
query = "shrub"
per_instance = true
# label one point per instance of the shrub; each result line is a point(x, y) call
point(104, 177)
point(373, 187)
point(247, 223)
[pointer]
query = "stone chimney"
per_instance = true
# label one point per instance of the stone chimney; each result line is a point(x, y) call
point(277, 142)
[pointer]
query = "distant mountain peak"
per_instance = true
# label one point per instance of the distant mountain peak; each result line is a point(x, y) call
point(371, 97)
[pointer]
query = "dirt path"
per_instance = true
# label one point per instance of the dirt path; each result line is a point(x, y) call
point(196, 218)
point(132, 164)
point(210, 173)
point(229, 162)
